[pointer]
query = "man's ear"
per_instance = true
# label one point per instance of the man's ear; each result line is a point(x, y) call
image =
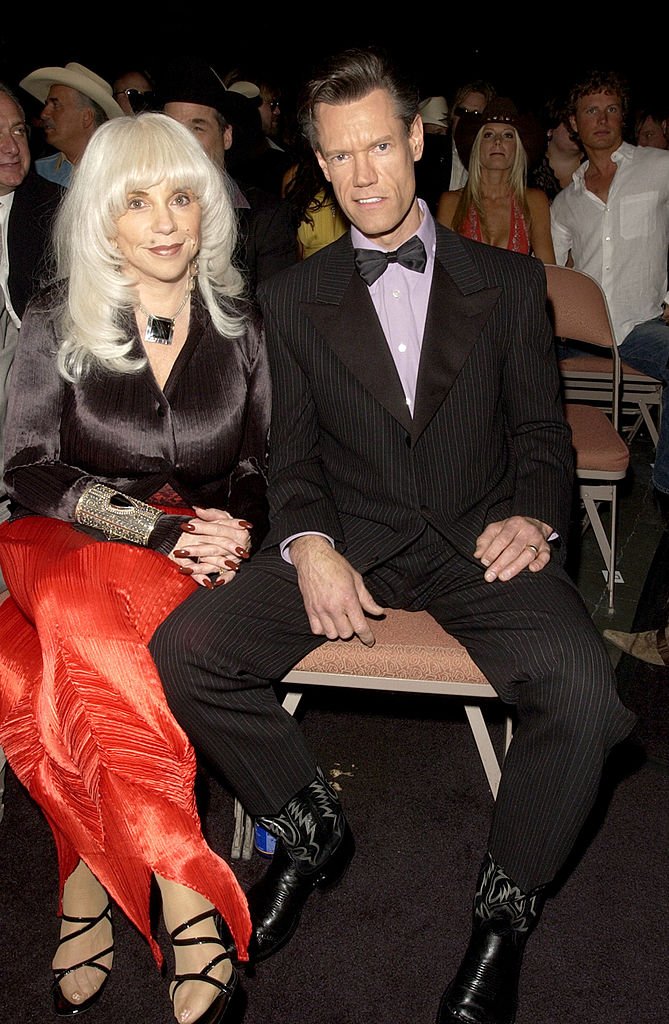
point(228, 132)
point(416, 140)
point(322, 163)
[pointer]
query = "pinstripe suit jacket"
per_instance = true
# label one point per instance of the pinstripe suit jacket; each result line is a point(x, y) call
point(488, 437)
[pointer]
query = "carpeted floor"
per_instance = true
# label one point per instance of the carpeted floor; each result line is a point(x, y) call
point(381, 948)
point(645, 688)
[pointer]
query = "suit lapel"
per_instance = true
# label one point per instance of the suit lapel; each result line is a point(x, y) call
point(346, 319)
point(458, 308)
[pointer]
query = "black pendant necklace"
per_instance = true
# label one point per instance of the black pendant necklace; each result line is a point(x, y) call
point(160, 329)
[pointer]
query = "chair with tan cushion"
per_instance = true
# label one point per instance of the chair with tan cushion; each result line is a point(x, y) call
point(412, 654)
point(578, 310)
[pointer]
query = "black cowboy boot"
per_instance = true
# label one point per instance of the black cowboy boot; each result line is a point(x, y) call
point(485, 988)
point(313, 850)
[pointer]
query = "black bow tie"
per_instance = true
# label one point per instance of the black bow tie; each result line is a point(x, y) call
point(371, 263)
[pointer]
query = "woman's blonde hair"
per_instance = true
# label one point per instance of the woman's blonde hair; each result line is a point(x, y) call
point(124, 155)
point(471, 193)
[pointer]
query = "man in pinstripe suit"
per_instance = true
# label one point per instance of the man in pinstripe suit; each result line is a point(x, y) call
point(419, 459)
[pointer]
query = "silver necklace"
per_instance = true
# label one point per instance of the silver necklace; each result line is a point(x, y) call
point(160, 329)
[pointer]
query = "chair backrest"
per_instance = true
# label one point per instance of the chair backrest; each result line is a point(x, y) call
point(579, 311)
point(578, 308)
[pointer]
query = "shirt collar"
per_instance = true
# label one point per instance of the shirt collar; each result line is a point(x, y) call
point(239, 200)
point(624, 152)
point(426, 232)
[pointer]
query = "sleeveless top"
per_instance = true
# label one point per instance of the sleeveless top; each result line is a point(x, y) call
point(519, 239)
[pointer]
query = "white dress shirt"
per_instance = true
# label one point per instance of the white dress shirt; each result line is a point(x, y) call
point(623, 242)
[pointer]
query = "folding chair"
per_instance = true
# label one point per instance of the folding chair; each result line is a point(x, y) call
point(579, 311)
point(587, 378)
point(412, 654)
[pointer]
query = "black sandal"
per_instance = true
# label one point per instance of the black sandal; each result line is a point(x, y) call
point(214, 1013)
point(63, 1006)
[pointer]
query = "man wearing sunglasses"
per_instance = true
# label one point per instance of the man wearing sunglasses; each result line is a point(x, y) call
point(134, 92)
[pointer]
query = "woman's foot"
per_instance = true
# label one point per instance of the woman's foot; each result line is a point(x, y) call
point(204, 979)
point(84, 956)
point(650, 646)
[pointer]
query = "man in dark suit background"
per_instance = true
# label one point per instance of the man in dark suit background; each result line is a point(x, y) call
point(27, 205)
point(419, 459)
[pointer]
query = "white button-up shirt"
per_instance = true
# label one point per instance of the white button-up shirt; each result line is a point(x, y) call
point(623, 242)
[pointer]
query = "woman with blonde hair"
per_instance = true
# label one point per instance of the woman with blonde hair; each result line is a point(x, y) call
point(495, 205)
point(135, 453)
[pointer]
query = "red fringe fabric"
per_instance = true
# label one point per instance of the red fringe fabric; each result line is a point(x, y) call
point(85, 724)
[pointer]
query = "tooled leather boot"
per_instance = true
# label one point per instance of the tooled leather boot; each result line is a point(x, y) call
point(313, 850)
point(485, 988)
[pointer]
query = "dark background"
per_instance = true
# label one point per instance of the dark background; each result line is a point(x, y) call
point(529, 61)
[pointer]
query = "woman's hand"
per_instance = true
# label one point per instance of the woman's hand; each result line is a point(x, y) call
point(212, 542)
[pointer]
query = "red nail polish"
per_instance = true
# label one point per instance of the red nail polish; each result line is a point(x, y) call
point(188, 528)
point(220, 583)
point(248, 526)
point(206, 582)
point(186, 570)
point(182, 553)
point(231, 565)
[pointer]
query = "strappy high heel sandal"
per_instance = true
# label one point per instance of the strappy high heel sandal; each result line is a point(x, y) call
point(216, 1011)
point(63, 1006)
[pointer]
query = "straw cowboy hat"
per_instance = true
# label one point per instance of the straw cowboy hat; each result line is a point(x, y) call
point(434, 110)
point(500, 110)
point(76, 76)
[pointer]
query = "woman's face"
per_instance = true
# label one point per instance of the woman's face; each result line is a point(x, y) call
point(498, 147)
point(159, 233)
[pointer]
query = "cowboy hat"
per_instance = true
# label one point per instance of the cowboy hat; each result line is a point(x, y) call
point(191, 80)
point(500, 110)
point(434, 110)
point(75, 76)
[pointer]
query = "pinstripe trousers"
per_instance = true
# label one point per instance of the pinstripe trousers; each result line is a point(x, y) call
point(219, 652)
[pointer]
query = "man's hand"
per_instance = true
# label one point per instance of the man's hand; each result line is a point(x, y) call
point(508, 547)
point(335, 597)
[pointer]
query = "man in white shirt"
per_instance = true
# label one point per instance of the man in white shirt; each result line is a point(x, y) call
point(612, 222)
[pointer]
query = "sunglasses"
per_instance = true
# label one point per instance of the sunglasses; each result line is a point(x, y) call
point(138, 100)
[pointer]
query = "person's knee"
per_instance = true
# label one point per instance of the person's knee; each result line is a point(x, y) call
point(170, 648)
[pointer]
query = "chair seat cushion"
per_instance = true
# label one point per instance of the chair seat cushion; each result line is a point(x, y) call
point(574, 366)
point(597, 444)
point(409, 645)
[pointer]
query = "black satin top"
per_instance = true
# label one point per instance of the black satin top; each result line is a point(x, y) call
point(204, 435)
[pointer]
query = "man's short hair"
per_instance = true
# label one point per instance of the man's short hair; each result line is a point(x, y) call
point(352, 75)
point(599, 81)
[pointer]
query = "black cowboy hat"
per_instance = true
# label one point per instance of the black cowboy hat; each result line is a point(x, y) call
point(500, 110)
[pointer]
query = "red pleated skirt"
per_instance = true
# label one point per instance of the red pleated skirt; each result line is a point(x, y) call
point(85, 724)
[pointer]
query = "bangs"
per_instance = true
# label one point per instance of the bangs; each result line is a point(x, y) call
point(146, 150)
